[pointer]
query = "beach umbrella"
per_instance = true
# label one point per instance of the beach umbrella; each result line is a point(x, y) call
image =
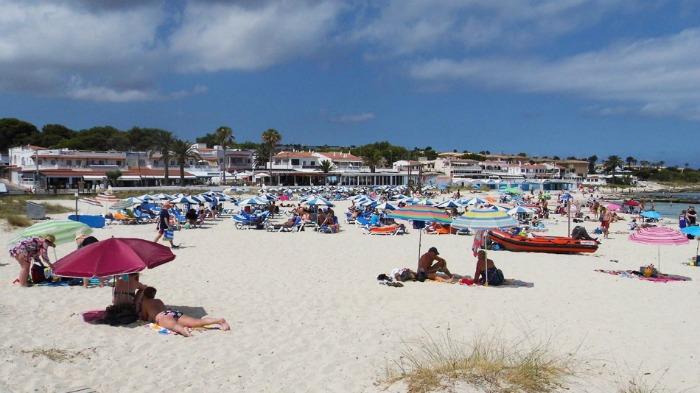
point(659, 236)
point(146, 197)
point(184, 199)
point(112, 257)
point(513, 191)
point(520, 210)
point(613, 207)
point(631, 203)
point(318, 201)
point(385, 206)
point(63, 230)
point(654, 215)
point(693, 231)
point(426, 202)
point(252, 201)
point(421, 214)
point(162, 196)
point(474, 201)
point(484, 219)
point(449, 204)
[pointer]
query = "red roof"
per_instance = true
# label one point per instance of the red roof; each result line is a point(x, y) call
point(340, 156)
point(295, 154)
point(78, 156)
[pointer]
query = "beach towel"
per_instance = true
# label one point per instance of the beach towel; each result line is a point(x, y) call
point(165, 331)
point(636, 274)
point(507, 283)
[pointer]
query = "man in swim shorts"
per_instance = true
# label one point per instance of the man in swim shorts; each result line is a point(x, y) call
point(428, 269)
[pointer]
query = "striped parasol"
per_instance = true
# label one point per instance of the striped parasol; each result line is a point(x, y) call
point(63, 230)
point(421, 213)
point(659, 236)
point(484, 219)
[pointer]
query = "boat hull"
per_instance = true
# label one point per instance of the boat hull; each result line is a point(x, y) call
point(548, 244)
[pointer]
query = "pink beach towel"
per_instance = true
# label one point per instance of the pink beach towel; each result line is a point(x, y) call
point(634, 274)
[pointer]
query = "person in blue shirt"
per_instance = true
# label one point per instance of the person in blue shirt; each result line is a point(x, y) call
point(164, 223)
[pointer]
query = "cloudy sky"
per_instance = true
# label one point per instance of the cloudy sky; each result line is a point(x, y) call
point(566, 77)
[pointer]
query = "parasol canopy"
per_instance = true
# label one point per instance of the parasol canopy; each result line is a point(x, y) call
point(658, 236)
point(651, 214)
point(484, 219)
point(63, 230)
point(112, 257)
point(420, 213)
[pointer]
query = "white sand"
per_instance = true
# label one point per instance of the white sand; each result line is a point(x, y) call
point(308, 316)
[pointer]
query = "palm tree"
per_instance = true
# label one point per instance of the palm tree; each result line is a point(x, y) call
point(163, 142)
point(591, 163)
point(271, 138)
point(631, 161)
point(183, 151)
point(326, 166)
point(224, 138)
point(612, 162)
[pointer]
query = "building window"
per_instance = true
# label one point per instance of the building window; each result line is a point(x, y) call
point(119, 163)
point(295, 161)
point(102, 162)
point(40, 162)
point(69, 163)
point(53, 162)
point(78, 163)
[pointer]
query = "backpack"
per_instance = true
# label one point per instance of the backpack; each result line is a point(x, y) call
point(37, 273)
point(496, 277)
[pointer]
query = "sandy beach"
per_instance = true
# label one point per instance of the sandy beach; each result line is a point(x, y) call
point(307, 314)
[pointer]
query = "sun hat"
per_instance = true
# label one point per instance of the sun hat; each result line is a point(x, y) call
point(50, 238)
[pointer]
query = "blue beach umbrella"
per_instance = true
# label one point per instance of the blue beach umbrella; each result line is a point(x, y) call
point(654, 215)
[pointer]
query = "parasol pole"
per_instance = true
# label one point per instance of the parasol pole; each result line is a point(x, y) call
point(568, 221)
point(420, 239)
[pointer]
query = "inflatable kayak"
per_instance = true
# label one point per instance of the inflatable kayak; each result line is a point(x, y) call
point(553, 244)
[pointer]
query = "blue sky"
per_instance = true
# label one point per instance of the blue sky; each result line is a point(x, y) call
point(564, 77)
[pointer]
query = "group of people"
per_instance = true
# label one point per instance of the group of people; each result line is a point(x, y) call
point(431, 266)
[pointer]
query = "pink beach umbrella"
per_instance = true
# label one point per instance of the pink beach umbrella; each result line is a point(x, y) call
point(613, 207)
point(659, 236)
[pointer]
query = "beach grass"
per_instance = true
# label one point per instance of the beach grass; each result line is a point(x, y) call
point(12, 208)
point(59, 355)
point(486, 363)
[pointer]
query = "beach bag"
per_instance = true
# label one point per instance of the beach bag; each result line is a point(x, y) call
point(169, 234)
point(38, 273)
point(496, 277)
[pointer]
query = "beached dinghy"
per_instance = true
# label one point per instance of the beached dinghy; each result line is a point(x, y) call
point(551, 244)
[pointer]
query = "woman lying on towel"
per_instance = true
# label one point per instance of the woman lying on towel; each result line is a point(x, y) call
point(150, 309)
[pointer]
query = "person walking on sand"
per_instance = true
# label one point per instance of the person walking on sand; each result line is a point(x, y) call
point(605, 219)
point(428, 270)
point(164, 223)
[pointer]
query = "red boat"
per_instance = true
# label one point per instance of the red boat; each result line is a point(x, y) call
point(552, 244)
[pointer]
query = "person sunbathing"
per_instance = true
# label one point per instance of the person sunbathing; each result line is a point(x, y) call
point(154, 310)
point(428, 270)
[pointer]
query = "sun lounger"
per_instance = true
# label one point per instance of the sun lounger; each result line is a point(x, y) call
point(392, 230)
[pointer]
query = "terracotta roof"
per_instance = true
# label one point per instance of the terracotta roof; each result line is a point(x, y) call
point(78, 156)
point(340, 156)
point(295, 154)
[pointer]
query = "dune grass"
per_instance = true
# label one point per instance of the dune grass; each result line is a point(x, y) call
point(486, 363)
point(12, 210)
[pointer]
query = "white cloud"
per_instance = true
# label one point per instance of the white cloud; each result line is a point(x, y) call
point(223, 36)
point(353, 118)
point(419, 26)
point(661, 75)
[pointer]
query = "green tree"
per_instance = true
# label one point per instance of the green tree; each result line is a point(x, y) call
point(142, 139)
point(182, 151)
point(113, 176)
point(631, 161)
point(270, 139)
point(224, 138)
point(15, 132)
point(612, 162)
point(97, 138)
point(52, 135)
point(591, 163)
point(326, 166)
